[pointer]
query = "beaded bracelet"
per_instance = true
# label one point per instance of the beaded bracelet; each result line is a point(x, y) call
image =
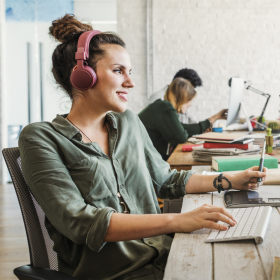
point(219, 186)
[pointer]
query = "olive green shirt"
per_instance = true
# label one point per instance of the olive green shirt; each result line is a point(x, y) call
point(76, 185)
point(162, 123)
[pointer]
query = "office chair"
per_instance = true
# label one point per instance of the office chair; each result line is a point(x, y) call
point(43, 260)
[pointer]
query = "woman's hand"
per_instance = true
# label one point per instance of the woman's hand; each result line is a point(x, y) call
point(205, 216)
point(247, 179)
point(222, 115)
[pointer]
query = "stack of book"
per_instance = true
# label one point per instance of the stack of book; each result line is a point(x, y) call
point(223, 144)
point(259, 137)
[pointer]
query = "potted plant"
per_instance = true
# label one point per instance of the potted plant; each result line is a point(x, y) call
point(274, 127)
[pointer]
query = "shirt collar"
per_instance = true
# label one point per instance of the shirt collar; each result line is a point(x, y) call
point(112, 120)
point(67, 129)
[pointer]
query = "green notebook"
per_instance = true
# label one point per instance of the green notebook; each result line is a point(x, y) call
point(235, 163)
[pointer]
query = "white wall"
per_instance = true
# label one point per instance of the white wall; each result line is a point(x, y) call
point(219, 39)
point(132, 29)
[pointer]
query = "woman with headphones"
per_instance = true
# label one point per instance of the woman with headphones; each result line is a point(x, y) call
point(161, 120)
point(95, 171)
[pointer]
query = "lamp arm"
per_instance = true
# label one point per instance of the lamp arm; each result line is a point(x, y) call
point(258, 91)
point(261, 116)
point(267, 95)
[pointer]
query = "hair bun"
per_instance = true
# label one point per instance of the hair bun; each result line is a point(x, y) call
point(68, 28)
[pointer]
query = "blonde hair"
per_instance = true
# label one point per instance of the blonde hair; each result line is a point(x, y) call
point(179, 92)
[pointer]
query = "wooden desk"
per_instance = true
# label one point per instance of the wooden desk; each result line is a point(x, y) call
point(191, 258)
point(184, 161)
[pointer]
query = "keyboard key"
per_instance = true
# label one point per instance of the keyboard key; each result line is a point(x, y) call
point(230, 232)
point(213, 234)
point(222, 234)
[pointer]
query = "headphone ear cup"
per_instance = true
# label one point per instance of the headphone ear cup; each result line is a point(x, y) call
point(83, 79)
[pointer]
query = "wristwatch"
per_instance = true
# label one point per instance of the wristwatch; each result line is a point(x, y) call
point(219, 186)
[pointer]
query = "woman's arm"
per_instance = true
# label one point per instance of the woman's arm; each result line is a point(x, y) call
point(176, 132)
point(222, 115)
point(241, 181)
point(201, 127)
point(129, 227)
point(196, 128)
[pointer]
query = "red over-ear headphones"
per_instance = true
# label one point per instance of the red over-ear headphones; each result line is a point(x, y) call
point(83, 77)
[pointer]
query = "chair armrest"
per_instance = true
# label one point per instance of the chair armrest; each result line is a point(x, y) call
point(28, 272)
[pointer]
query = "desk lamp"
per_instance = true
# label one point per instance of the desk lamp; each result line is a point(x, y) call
point(267, 95)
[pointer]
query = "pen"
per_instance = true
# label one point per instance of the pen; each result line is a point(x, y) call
point(261, 162)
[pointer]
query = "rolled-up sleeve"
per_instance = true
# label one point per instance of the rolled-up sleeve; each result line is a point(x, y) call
point(167, 183)
point(196, 128)
point(57, 194)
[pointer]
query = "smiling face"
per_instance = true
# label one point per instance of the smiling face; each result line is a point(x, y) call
point(110, 93)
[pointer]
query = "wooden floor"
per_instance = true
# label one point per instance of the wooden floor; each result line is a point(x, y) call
point(13, 242)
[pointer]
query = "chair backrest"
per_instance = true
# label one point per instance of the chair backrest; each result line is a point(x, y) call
point(39, 242)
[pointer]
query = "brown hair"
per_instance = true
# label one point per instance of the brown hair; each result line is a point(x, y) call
point(179, 92)
point(67, 30)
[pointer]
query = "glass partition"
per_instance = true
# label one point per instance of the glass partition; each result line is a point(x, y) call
point(31, 94)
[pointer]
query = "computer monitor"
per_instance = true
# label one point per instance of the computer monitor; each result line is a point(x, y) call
point(235, 99)
point(235, 104)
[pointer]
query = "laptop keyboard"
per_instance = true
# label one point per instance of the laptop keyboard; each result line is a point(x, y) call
point(251, 224)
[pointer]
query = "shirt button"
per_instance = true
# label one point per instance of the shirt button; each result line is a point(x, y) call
point(150, 242)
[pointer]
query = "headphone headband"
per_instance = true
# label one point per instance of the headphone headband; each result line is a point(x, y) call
point(83, 44)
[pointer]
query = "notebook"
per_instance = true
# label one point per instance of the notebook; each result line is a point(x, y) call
point(265, 195)
point(228, 137)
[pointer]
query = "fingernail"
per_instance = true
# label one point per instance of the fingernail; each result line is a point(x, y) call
point(225, 227)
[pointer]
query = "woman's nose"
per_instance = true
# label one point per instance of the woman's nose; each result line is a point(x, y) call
point(129, 82)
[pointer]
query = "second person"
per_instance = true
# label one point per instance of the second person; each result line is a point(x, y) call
point(161, 118)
